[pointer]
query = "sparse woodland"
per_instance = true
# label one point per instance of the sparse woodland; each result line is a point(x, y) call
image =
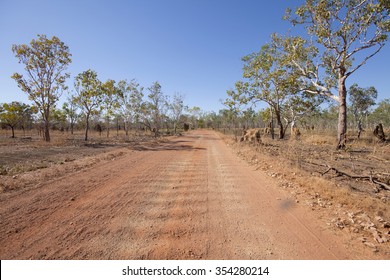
point(294, 87)
point(294, 115)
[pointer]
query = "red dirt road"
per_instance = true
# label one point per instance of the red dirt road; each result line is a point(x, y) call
point(188, 198)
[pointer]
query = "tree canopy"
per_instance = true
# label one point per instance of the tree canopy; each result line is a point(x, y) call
point(45, 61)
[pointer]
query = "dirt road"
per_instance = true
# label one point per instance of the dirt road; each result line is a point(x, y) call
point(187, 198)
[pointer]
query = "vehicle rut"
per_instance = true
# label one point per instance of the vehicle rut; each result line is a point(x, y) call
point(187, 198)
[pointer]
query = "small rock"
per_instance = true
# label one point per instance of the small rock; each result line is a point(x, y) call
point(379, 219)
point(362, 239)
point(377, 238)
point(340, 224)
point(355, 230)
point(369, 244)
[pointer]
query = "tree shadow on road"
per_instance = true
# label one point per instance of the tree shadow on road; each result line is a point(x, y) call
point(176, 145)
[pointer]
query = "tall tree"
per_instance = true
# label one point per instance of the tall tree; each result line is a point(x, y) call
point(70, 109)
point(110, 101)
point(271, 80)
point(89, 95)
point(130, 102)
point(361, 100)
point(156, 105)
point(176, 107)
point(45, 61)
point(346, 34)
point(234, 102)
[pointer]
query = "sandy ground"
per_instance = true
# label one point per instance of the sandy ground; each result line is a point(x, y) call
point(190, 197)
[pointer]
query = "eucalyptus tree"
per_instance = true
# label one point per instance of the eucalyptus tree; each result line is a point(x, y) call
point(130, 102)
point(15, 114)
point(270, 80)
point(70, 109)
point(110, 101)
point(381, 114)
point(235, 101)
point(344, 34)
point(45, 61)
point(361, 100)
point(155, 106)
point(176, 108)
point(89, 95)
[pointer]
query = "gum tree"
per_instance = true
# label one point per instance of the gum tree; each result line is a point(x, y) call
point(176, 108)
point(45, 62)
point(156, 104)
point(361, 100)
point(14, 114)
point(130, 96)
point(344, 34)
point(70, 110)
point(89, 95)
point(110, 101)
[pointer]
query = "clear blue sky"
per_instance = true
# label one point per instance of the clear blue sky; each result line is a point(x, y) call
point(193, 47)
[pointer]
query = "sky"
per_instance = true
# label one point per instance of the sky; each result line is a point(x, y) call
point(191, 47)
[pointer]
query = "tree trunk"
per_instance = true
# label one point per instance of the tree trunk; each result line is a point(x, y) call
point(13, 132)
point(117, 126)
point(293, 126)
point(342, 121)
point(280, 123)
point(127, 124)
point(47, 131)
point(108, 127)
point(272, 124)
point(86, 128)
point(360, 128)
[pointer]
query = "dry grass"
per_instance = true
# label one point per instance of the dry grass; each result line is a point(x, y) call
point(28, 151)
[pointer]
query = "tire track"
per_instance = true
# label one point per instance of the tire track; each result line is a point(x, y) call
point(187, 198)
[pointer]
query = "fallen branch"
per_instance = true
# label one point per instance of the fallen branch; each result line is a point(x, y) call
point(380, 159)
point(372, 179)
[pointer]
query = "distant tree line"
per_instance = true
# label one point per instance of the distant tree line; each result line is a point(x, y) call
point(122, 104)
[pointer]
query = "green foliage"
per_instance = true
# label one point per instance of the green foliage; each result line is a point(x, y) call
point(110, 101)
point(130, 96)
point(348, 33)
point(45, 61)
point(154, 108)
point(361, 100)
point(70, 110)
point(15, 114)
point(176, 108)
point(381, 114)
point(273, 80)
point(89, 95)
